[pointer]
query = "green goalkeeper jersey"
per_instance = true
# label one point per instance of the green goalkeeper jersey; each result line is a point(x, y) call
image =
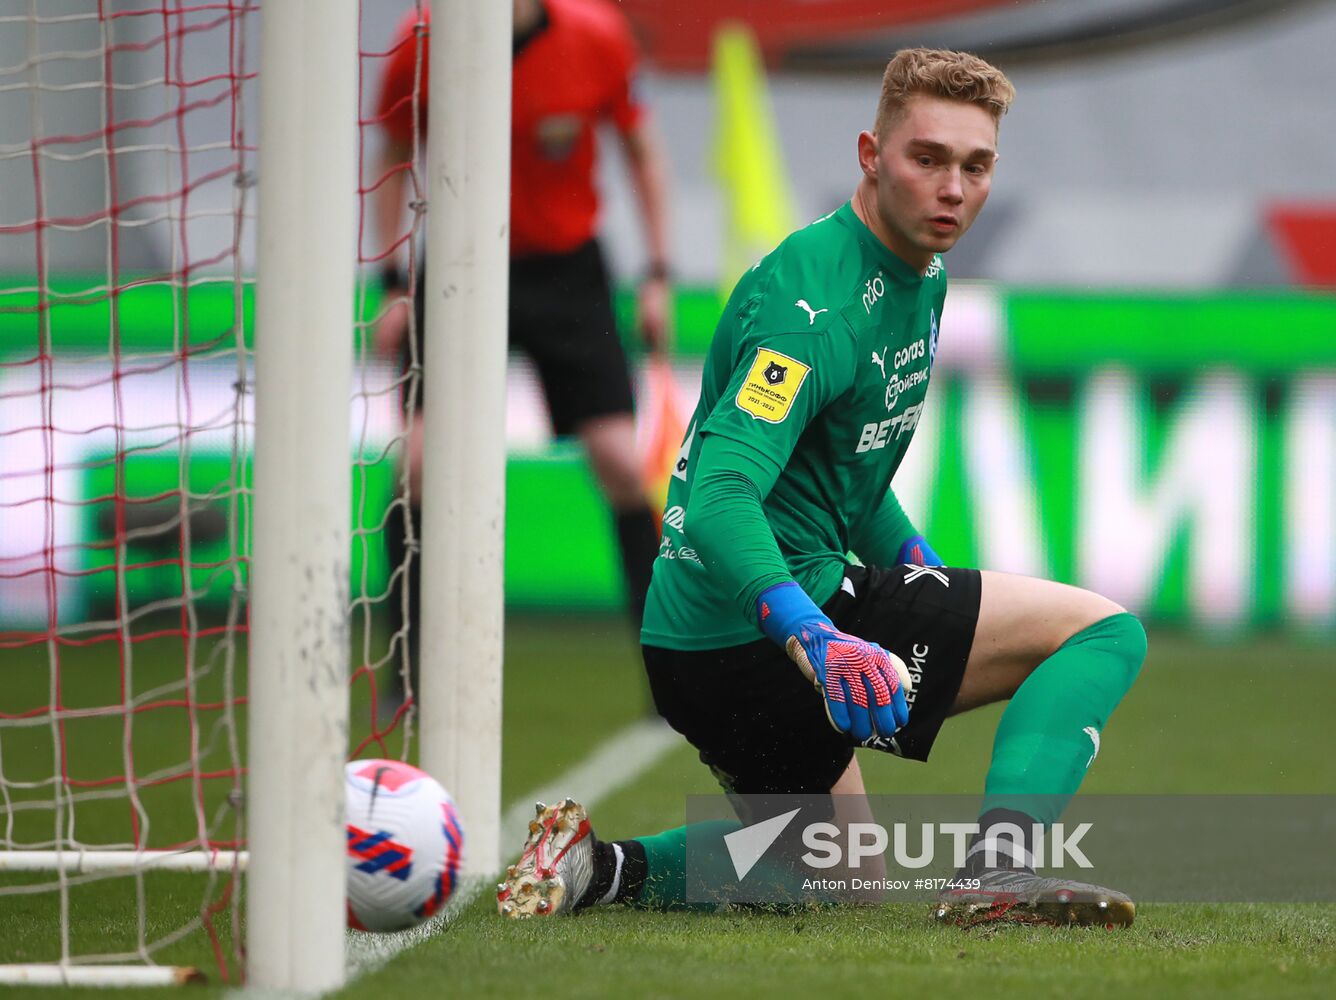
point(812, 388)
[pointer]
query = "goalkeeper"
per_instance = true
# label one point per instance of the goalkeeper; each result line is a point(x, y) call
point(771, 652)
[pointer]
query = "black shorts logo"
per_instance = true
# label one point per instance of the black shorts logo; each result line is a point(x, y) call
point(918, 662)
point(774, 374)
point(917, 572)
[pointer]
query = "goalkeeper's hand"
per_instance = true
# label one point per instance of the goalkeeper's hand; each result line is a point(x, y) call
point(863, 685)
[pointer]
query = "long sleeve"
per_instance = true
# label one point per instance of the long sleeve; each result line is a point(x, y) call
point(880, 536)
point(727, 523)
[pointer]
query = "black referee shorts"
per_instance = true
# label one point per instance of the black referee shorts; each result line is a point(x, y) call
point(761, 726)
point(561, 316)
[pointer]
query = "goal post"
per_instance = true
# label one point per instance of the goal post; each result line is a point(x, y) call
point(299, 638)
point(463, 514)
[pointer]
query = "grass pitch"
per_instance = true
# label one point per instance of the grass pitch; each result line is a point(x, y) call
point(1172, 951)
point(1245, 718)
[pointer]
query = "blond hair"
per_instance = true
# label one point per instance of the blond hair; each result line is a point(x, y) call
point(956, 76)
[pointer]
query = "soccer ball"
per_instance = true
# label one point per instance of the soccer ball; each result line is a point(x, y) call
point(404, 845)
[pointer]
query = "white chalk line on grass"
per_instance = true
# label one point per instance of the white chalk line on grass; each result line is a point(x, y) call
point(610, 768)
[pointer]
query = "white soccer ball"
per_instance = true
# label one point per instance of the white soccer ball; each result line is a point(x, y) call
point(404, 845)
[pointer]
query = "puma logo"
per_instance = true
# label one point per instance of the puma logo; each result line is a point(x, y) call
point(812, 314)
point(880, 361)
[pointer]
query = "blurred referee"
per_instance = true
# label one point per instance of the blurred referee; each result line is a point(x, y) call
point(574, 68)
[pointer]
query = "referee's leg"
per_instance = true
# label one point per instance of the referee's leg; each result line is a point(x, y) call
point(610, 442)
point(561, 315)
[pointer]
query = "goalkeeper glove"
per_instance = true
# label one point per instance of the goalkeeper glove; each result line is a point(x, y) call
point(863, 685)
point(917, 552)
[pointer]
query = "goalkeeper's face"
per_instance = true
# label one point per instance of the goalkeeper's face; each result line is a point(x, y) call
point(931, 172)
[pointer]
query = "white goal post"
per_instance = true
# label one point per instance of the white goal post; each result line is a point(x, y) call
point(464, 473)
point(122, 862)
point(299, 639)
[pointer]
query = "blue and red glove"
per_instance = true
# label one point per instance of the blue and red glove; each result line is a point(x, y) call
point(917, 552)
point(863, 685)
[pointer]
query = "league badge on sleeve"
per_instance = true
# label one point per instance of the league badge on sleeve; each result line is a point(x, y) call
point(771, 385)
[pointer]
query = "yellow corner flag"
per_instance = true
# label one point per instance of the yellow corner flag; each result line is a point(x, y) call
point(750, 165)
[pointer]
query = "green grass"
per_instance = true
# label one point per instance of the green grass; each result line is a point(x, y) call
point(1250, 717)
point(893, 950)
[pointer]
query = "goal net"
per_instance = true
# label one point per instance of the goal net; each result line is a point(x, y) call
point(129, 157)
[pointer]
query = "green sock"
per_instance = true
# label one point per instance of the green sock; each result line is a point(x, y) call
point(1049, 734)
point(664, 878)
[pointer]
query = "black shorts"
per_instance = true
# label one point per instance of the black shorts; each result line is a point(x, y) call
point(561, 317)
point(761, 726)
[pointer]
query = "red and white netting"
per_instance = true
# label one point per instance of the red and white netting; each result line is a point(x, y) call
point(127, 224)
